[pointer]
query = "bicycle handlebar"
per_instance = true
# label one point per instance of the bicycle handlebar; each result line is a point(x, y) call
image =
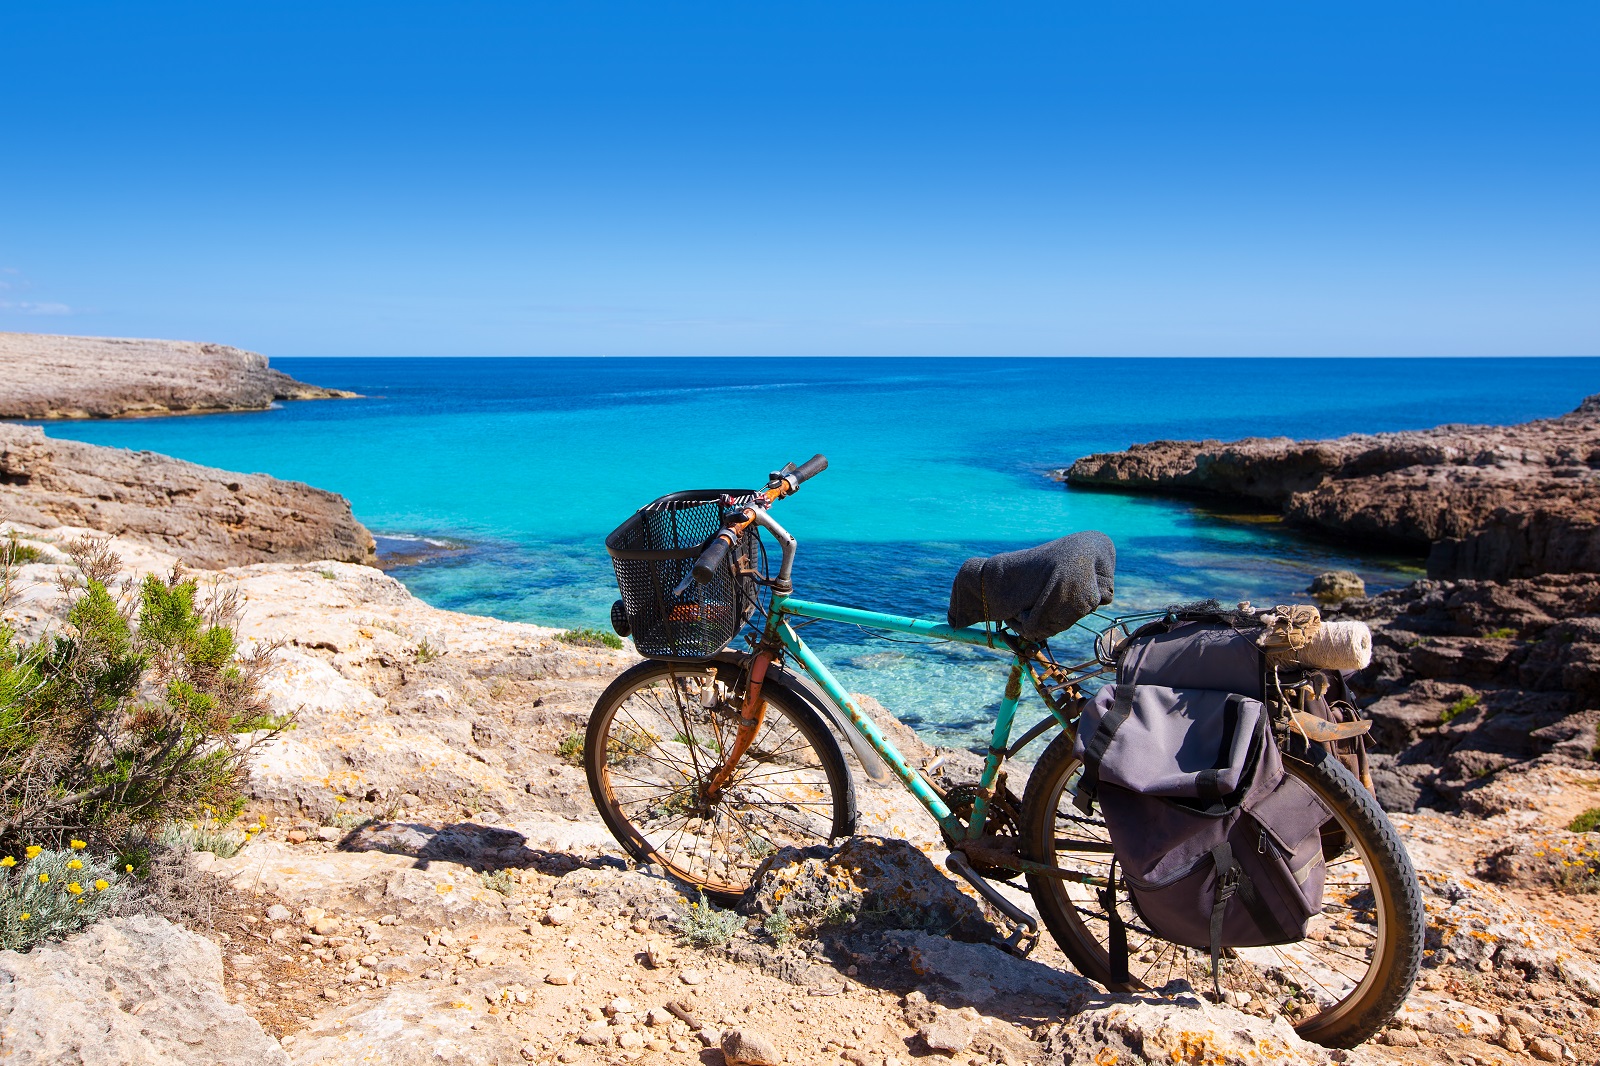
point(782, 483)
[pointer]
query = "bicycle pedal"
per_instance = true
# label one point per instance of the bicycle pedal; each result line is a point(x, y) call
point(1020, 943)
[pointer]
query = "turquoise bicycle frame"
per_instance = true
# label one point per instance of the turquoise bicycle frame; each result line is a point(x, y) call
point(779, 630)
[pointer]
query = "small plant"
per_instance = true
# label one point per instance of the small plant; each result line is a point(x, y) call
point(628, 741)
point(51, 894)
point(16, 553)
point(1587, 822)
point(1460, 707)
point(347, 819)
point(838, 913)
point(204, 834)
point(705, 926)
point(591, 638)
point(779, 927)
point(328, 575)
point(571, 748)
point(427, 653)
point(501, 881)
point(1503, 633)
point(498, 687)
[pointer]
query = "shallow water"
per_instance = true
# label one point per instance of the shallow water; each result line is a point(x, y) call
point(525, 464)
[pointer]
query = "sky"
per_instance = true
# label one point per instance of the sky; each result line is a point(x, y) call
point(1272, 179)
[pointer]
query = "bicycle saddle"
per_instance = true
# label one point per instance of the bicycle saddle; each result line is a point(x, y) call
point(1037, 591)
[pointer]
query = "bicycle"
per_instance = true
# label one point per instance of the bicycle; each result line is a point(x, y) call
point(706, 761)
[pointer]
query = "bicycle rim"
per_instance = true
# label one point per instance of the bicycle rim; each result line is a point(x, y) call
point(656, 738)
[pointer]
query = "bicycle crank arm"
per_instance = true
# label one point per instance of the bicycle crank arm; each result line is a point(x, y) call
point(1007, 861)
point(1025, 937)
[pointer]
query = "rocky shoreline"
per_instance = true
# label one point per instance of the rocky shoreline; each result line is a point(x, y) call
point(1486, 502)
point(205, 517)
point(44, 376)
point(433, 885)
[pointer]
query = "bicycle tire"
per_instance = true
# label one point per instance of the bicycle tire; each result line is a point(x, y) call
point(1392, 965)
point(792, 789)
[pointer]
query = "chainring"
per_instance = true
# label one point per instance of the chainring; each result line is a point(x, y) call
point(1004, 820)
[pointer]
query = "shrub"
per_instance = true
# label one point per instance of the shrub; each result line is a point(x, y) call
point(591, 638)
point(1587, 822)
point(779, 927)
point(1460, 707)
point(14, 552)
point(501, 881)
point(571, 748)
point(128, 716)
point(1503, 633)
point(206, 834)
point(49, 894)
point(705, 925)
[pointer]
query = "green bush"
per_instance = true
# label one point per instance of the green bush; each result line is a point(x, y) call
point(571, 748)
point(48, 894)
point(1587, 822)
point(591, 638)
point(15, 553)
point(705, 925)
point(1460, 707)
point(1503, 633)
point(128, 716)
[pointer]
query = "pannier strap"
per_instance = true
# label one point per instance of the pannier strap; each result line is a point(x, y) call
point(1094, 749)
point(1232, 879)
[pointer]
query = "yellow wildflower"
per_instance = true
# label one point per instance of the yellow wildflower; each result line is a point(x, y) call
point(44, 879)
point(128, 868)
point(8, 861)
point(101, 885)
point(34, 850)
point(24, 916)
point(78, 845)
point(75, 864)
point(75, 888)
point(340, 799)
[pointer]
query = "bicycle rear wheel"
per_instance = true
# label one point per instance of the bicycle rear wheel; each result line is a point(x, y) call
point(1338, 986)
point(656, 737)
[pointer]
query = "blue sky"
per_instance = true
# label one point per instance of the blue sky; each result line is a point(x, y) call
point(875, 179)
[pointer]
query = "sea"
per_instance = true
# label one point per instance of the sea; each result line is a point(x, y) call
point(492, 483)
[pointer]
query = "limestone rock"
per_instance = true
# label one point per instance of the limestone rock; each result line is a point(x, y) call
point(409, 1025)
point(868, 881)
point(46, 376)
point(204, 516)
point(1185, 1029)
point(134, 991)
point(1491, 501)
point(951, 1031)
point(746, 1047)
point(1336, 585)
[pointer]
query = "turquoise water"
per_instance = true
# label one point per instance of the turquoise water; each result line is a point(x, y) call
point(525, 464)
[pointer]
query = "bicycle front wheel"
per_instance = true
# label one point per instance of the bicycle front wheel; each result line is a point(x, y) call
point(658, 734)
point(1338, 986)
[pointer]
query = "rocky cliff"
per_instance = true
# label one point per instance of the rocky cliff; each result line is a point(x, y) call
point(1488, 502)
point(46, 376)
point(206, 517)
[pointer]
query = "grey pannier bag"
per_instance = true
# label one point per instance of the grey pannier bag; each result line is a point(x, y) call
point(1219, 847)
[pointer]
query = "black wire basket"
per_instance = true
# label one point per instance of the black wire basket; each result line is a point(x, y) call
point(654, 552)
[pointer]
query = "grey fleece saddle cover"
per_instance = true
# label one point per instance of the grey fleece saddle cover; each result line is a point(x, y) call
point(1038, 591)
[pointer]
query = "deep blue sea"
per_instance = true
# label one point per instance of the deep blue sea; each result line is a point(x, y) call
point(524, 465)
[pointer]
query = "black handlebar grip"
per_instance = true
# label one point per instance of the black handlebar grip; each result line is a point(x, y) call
point(811, 468)
point(710, 561)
